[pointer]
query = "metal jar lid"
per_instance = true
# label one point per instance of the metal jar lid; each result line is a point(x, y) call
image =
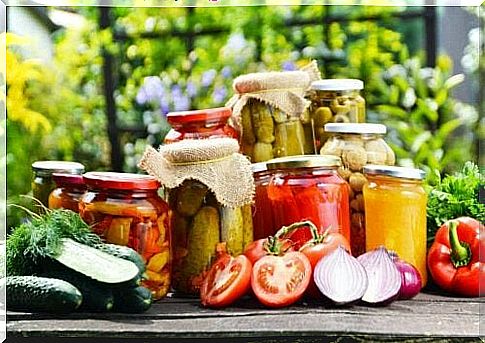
point(121, 181)
point(399, 172)
point(304, 161)
point(337, 85)
point(258, 167)
point(47, 168)
point(363, 128)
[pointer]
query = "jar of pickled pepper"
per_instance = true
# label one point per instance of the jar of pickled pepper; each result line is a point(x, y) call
point(262, 213)
point(395, 207)
point(309, 188)
point(357, 145)
point(200, 124)
point(125, 209)
point(42, 183)
point(335, 101)
point(69, 191)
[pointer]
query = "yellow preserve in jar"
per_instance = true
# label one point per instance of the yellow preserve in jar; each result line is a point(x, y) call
point(395, 208)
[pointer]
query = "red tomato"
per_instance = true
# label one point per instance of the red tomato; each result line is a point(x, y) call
point(256, 250)
point(299, 236)
point(279, 281)
point(228, 279)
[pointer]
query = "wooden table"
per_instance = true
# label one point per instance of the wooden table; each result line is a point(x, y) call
point(427, 317)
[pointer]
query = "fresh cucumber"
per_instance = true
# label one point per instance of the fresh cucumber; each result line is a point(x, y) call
point(133, 300)
point(97, 264)
point(39, 294)
point(125, 253)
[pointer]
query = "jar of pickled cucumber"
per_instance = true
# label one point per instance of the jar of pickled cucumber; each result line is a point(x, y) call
point(200, 124)
point(335, 101)
point(125, 209)
point(70, 189)
point(357, 145)
point(43, 184)
point(210, 188)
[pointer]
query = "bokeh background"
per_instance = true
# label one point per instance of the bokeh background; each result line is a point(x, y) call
point(93, 84)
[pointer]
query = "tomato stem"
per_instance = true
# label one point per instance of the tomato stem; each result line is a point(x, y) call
point(460, 251)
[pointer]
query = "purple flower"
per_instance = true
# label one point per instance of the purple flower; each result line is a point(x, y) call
point(164, 105)
point(176, 91)
point(226, 72)
point(289, 66)
point(219, 94)
point(191, 89)
point(208, 77)
point(151, 90)
point(236, 42)
point(181, 103)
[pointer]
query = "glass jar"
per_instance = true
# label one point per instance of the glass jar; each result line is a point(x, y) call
point(42, 183)
point(335, 101)
point(70, 189)
point(200, 224)
point(268, 132)
point(395, 207)
point(357, 145)
point(309, 188)
point(263, 223)
point(125, 209)
point(200, 124)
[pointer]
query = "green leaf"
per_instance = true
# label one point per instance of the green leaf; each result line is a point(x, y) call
point(447, 128)
point(420, 140)
point(454, 81)
point(393, 111)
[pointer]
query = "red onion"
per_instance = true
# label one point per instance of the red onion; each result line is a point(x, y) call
point(384, 277)
point(410, 278)
point(340, 277)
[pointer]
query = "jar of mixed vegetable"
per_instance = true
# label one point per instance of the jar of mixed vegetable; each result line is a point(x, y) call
point(395, 207)
point(309, 188)
point(42, 183)
point(335, 101)
point(357, 145)
point(200, 124)
point(263, 225)
point(70, 189)
point(125, 209)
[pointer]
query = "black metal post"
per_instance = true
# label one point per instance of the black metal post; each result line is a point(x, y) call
point(113, 132)
point(431, 35)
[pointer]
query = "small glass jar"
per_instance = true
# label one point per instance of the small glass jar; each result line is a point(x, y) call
point(200, 224)
point(309, 188)
point(395, 207)
point(335, 101)
point(69, 191)
point(42, 183)
point(263, 224)
point(125, 209)
point(200, 124)
point(357, 145)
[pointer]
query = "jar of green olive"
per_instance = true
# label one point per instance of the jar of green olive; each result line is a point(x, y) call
point(335, 101)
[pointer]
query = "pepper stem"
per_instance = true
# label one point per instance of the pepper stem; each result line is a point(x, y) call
point(287, 229)
point(460, 251)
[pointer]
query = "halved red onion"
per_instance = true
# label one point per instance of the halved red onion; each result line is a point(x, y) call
point(340, 277)
point(384, 277)
point(411, 283)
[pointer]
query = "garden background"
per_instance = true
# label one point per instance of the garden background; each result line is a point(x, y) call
point(94, 83)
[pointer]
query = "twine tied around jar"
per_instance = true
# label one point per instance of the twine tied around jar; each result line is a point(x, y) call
point(214, 162)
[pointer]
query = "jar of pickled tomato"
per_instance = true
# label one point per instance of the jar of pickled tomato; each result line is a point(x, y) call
point(42, 183)
point(263, 225)
point(70, 189)
point(200, 124)
point(308, 187)
point(395, 207)
point(125, 209)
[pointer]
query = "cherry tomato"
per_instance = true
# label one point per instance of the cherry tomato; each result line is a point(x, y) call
point(279, 281)
point(256, 250)
point(228, 279)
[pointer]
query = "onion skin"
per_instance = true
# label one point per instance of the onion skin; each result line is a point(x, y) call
point(340, 277)
point(384, 277)
point(411, 283)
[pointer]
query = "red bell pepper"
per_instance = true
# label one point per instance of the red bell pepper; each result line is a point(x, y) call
point(454, 259)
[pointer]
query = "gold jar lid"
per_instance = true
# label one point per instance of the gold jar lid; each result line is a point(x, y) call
point(393, 171)
point(47, 168)
point(304, 161)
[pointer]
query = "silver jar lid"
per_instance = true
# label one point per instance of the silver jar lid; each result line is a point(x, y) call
point(399, 172)
point(258, 167)
point(363, 128)
point(304, 161)
point(47, 168)
point(337, 85)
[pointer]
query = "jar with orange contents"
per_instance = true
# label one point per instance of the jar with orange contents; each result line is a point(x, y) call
point(395, 213)
point(125, 209)
point(70, 189)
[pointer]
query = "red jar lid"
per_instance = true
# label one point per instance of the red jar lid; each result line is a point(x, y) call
point(123, 181)
point(206, 115)
point(68, 179)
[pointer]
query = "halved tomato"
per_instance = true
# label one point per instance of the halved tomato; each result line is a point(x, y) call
point(228, 279)
point(279, 281)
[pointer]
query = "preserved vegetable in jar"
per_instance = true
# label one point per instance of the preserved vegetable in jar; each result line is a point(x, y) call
point(200, 124)
point(335, 101)
point(42, 183)
point(395, 207)
point(210, 188)
point(70, 189)
point(309, 188)
point(125, 209)
point(262, 212)
point(357, 145)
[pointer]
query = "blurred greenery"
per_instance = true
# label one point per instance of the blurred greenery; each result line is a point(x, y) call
point(428, 127)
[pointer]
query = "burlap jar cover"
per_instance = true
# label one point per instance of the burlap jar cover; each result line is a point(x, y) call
point(214, 162)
